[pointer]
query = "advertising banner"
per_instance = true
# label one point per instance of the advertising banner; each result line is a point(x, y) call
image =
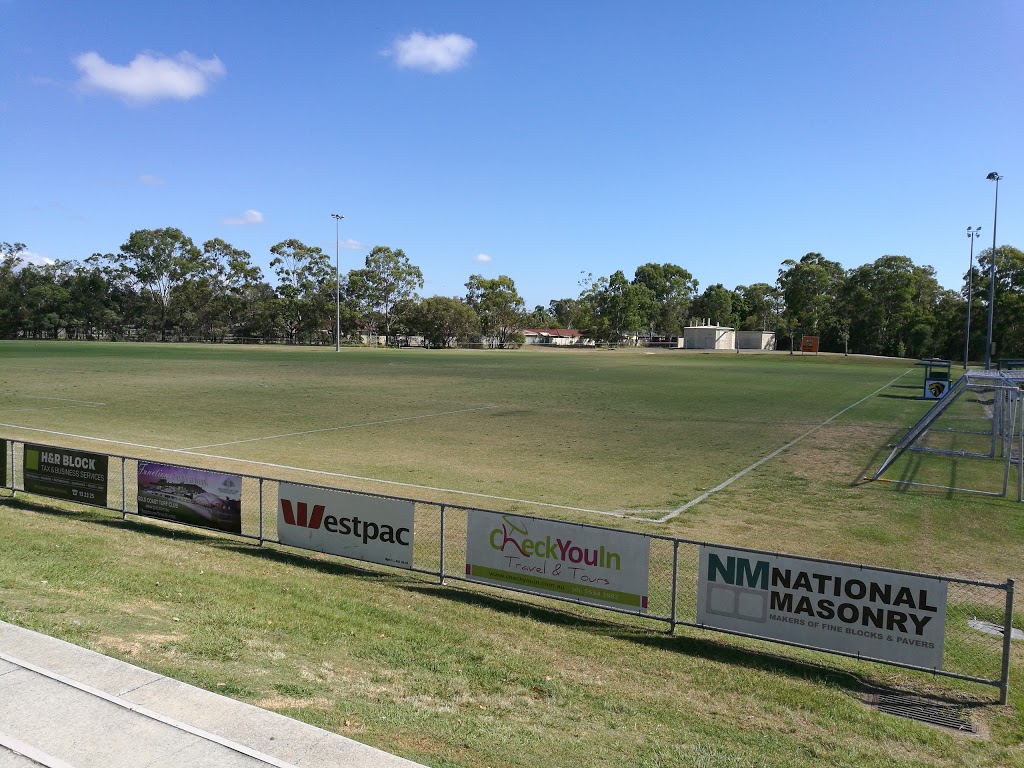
point(193, 496)
point(64, 474)
point(595, 565)
point(3, 463)
point(346, 524)
point(891, 616)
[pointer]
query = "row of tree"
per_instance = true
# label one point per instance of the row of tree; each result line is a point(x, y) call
point(162, 286)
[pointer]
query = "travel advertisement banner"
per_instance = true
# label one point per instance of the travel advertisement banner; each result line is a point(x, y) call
point(63, 474)
point(595, 565)
point(346, 524)
point(192, 496)
point(892, 616)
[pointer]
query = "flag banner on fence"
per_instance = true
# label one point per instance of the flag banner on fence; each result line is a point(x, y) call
point(192, 496)
point(346, 524)
point(594, 565)
point(851, 609)
point(63, 474)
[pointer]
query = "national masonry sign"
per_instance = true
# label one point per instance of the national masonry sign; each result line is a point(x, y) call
point(851, 609)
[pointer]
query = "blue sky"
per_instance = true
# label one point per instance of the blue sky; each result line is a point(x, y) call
point(534, 139)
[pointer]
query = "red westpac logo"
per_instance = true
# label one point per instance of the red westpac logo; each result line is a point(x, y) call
point(302, 518)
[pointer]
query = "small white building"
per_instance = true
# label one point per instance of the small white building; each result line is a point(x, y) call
point(555, 337)
point(764, 340)
point(709, 337)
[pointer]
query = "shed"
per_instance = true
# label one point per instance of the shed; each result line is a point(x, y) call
point(709, 337)
point(755, 340)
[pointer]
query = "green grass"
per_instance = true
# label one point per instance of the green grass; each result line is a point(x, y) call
point(464, 677)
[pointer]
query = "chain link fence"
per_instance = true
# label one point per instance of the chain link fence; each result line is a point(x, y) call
point(978, 619)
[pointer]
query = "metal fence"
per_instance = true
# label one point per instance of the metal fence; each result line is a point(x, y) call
point(441, 550)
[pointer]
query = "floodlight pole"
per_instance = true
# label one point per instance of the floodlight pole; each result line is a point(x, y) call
point(337, 282)
point(992, 274)
point(972, 234)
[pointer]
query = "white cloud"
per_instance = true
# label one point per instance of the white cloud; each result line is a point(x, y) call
point(149, 77)
point(352, 245)
point(29, 257)
point(153, 181)
point(483, 258)
point(431, 53)
point(247, 218)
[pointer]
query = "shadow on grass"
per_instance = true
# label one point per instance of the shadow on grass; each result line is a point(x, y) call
point(517, 605)
point(902, 397)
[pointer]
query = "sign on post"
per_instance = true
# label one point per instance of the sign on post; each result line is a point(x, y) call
point(595, 565)
point(189, 495)
point(346, 524)
point(809, 345)
point(895, 617)
point(65, 474)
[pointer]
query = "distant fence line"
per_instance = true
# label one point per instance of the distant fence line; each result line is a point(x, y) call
point(912, 620)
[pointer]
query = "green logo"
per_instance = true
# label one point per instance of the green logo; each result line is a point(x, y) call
point(32, 460)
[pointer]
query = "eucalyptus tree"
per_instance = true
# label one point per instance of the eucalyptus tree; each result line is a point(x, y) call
point(719, 305)
point(442, 321)
point(891, 304)
point(809, 287)
point(762, 305)
point(674, 290)
point(1008, 320)
point(159, 261)
point(500, 310)
point(386, 280)
point(305, 286)
point(236, 286)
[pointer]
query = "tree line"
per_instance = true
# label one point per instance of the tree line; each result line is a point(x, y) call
point(161, 286)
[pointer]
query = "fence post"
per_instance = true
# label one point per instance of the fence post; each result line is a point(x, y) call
point(440, 570)
point(1004, 679)
point(124, 489)
point(675, 582)
point(261, 511)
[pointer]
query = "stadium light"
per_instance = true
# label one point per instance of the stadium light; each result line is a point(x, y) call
point(972, 234)
point(992, 274)
point(337, 282)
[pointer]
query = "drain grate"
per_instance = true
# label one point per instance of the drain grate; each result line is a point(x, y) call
point(942, 714)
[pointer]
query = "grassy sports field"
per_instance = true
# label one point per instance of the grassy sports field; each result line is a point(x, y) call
point(456, 678)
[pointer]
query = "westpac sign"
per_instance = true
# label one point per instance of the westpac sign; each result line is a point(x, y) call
point(346, 524)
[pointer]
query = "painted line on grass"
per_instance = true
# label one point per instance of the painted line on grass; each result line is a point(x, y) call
point(621, 513)
point(325, 473)
point(50, 408)
point(773, 454)
point(62, 399)
point(336, 429)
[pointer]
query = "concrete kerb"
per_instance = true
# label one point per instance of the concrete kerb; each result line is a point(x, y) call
point(75, 702)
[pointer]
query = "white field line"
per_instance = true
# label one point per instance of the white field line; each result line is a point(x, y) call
point(50, 408)
point(62, 399)
point(325, 473)
point(336, 429)
point(624, 514)
point(773, 454)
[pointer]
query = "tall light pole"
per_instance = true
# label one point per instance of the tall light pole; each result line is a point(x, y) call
point(972, 234)
point(337, 282)
point(992, 274)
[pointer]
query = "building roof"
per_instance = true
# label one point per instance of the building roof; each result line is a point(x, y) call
point(554, 332)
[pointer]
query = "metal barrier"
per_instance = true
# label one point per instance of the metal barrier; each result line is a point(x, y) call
point(673, 574)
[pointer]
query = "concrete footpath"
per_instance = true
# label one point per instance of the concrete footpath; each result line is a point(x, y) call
point(61, 705)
